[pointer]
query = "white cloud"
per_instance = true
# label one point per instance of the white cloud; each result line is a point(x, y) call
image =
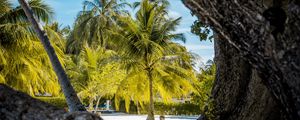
point(199, 47)
point(182, 30)
point(174, 14)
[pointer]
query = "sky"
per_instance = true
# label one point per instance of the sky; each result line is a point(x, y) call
point(66, 11)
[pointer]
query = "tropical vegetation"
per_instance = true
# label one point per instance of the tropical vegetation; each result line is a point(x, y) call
point(24, 64)
point(150, 56)
point(109, 53)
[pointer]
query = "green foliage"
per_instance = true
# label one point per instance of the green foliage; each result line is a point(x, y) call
point(24, 64)
point(176, 108)
point(204, 86)
point(93, 25)
point(148, 53)
point(91, 73)
point(113, 55)
point(56, 101)
point(202, 30)
point(8, 14)
point(162, 108)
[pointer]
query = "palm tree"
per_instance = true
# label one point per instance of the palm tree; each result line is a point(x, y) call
point(93, 24)
point(93, 73)
point(70, 94)
point(150, 54)
point(23, 63)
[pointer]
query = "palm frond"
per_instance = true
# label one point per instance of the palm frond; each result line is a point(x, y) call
point(42, 11)
point(5, 6)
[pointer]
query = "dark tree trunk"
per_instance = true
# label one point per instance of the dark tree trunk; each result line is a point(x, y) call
point(238, 91)
point(70, 94)
point(258, 62)
point(16, 105)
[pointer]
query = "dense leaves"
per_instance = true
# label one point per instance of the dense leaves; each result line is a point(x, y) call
point(203, 97)
point(108, 54)
point(156, 66)
point(202, 30)
point(24, 64)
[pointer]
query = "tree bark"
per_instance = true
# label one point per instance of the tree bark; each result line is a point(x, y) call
point(273, 59)
point(70, 94)
point(238, 91)
point(16, 105)
point(151, 104)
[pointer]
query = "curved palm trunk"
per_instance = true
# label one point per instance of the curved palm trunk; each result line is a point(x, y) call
point(70, 94)
point(151, 104)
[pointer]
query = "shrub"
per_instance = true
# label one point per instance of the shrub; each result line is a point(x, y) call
point(166, 109)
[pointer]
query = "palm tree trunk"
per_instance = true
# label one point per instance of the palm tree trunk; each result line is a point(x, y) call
point(70, 94)
point(102, 42)
point(97, 104)
point(138, 108)
point(151, 104)
point(91, 101)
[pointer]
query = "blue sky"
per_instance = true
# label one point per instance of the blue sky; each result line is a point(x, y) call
point(66, 11)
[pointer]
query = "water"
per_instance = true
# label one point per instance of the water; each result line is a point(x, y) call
point(143, 117)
